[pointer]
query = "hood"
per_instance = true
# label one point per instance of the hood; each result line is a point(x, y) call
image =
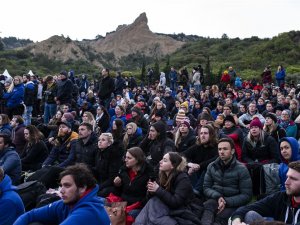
point(5, 150)
point(295, 148)
point(162, 74)
point(5, 185)
point(138, 132)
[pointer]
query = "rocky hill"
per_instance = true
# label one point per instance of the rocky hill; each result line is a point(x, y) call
point(126, 40)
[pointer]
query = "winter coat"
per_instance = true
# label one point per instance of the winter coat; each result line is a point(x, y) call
point(278, 206)
point(141, 122)
point(64, 152)
point(290, 129)
point(266, 152)
point(33, 156)
point(107, 164)
point(64, 91)
point(18, 138)
point(84, 85)
point(231, 181)
point(50, 93)
point(11, 164)
point(86, 153)
point(106, 88)
point(103, 122)
point(6, 129)
point(89, 208)
point(11, 206)
point(283, 167)
point(135, 139)
point(134, 190)
point(280, 75)
point(187, 141)
point(15, 97)
point(202, 155)
point(123, 118)
point(30, 95)
point(162, 80)
point(120, 85)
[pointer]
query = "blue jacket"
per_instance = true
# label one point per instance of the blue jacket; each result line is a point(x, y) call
point(113, 118)
point(11, 163)
point(88, 210)
point(280, 75)
point(15, 97)
point(11, 205)
point(283, 167)
point(6, 129)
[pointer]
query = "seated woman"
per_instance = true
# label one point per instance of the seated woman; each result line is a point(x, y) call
point(108, 162)
point(88, 117)
point(185, 136)
point(172, 193)
point(131, 182)
point(272, 128)
point(133, 136)
point(289, 152)
point(35, 151)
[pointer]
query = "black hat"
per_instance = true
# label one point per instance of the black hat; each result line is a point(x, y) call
point(279, 107)
point(272, 116)
point(229, 118)
point(64, 73)
point(68, 124)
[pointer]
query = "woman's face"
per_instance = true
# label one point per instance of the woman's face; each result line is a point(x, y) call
point(165, 164)
point(228, 124)
point(286, 150)
point(85, 118)
point(103, 142)
point(255, 131)
point(192, 101)
point(183, 129)
point(118, 111)
point(114, 126)
point(26, 134)
point(17, 81)
point(197, 105)
point(242, 109)
point(129, 130)
point(99, 110)
point(260, 102)
point(130, 161)
point(177, 104)
point(58, 115)
point(159, 105)
point(153, 134)
point(203, 122)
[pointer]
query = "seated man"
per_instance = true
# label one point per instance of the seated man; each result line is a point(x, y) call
point(281, 206)
point(227, 185)
point(11, 205)
point(79, 204)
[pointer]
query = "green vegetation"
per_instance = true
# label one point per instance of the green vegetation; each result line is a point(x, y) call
point(248, 57)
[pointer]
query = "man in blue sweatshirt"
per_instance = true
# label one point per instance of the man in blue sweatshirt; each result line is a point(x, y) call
point(79, 205)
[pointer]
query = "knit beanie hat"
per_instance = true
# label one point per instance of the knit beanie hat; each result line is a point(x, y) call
point(69, 117)
point(136, 109)
point(272, 116)
point(185, 104)
point(256, 123)
point(180, 115)
point(229, 118)
point(204, 116)
point(186, 122)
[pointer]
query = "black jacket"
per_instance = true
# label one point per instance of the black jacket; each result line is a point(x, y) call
point(135, 190)
point(277, 205)
point(64, 91)
point(181, 193)
point(187, 141)
point(106, 88)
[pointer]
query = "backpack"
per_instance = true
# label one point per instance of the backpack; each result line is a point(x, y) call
point(271, 178)
point(29, 192)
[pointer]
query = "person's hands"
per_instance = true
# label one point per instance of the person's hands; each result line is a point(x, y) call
point(237, 221)
point(152, 186)
point(190, 171)
point(194, 166)
point(117, 181)
point(221, 204)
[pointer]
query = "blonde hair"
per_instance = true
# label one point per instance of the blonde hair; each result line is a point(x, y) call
point(126, 136)
point(109, 136)
point(91, 119)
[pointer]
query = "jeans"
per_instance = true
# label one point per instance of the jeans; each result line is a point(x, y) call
point(173, 85)
point(197, 88)
point(28, 115)
point(49, 112)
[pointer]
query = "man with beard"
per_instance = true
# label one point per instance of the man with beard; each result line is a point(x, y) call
point(227, 185)
point(86, 146)
point(79, 204)
point(281, 206)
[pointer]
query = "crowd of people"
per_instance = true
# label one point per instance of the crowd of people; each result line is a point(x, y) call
point(176, 150)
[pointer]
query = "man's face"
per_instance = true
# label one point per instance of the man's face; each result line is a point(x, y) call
point(252, 108)
point(153, 134)
point(83, 132)
point(63, 130)
point(204, 135)
point(225, 151)
point(13, 122)
point(2, 145)
point(69, 191)
point(292, 183)
point(104, 73)
point(269, 107)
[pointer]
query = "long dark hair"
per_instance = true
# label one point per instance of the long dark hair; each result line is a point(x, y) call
point(34, 134)
point(179, 165)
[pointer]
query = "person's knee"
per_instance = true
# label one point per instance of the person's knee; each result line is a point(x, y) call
point(252, 216)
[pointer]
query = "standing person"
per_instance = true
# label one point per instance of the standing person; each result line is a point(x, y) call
point(79, 202)
point(280, 76)
point(281, 206)
point(64, 89)
point(196, 80)
point(49, 99)
point(173, 79)
point(106, 88)
point(35, 150)
point(11, 205)
point(14, 97)
point(227, 185)
point(267, 76)
point(9, 159)
point(172, 192)
point(30, 97)
point(162, 80)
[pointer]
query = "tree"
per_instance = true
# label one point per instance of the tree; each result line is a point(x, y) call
point(1, 45)
point(224, 37)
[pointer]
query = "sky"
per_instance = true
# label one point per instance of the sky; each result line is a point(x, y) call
point(40, 19)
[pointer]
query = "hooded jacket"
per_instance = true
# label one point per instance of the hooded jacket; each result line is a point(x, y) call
point(11, 163)
point(88, 210)
point(15, 97)
point(9, 200)
point(283, 167)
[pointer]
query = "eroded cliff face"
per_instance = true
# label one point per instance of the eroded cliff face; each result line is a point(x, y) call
point(127, 39)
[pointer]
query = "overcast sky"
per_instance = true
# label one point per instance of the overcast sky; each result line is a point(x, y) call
point(40, 19)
